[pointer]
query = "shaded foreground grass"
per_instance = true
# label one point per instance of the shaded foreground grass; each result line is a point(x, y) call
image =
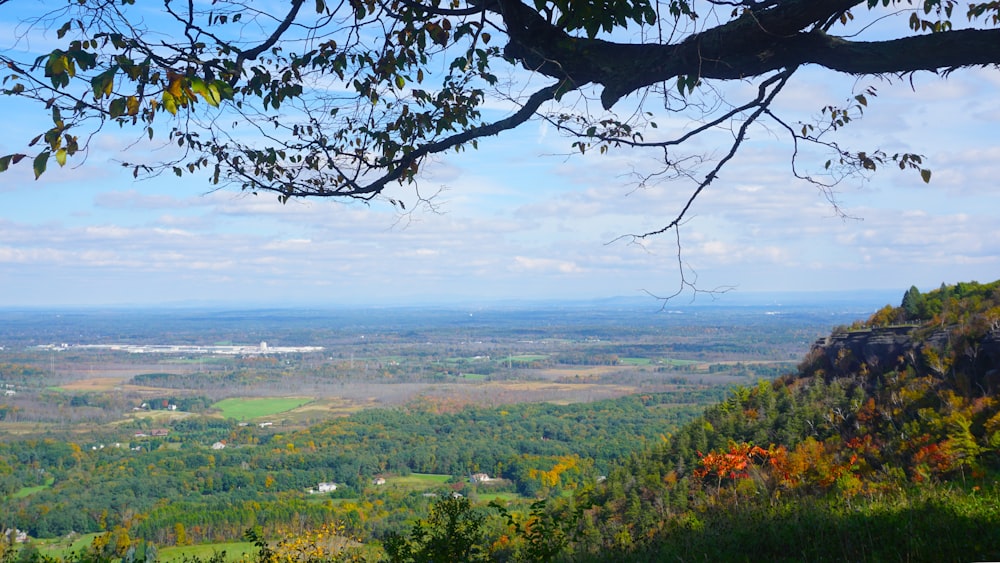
point(937, 526)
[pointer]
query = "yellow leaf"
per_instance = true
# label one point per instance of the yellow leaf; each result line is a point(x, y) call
point(174, 85)
point(61, 157)
point(170, 103)
point(212, 95)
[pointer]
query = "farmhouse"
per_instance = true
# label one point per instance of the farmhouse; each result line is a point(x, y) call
point(14, 535)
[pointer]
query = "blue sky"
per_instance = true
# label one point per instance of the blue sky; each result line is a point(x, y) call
point(519, 220)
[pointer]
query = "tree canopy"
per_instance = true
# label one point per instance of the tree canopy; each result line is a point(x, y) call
point(345, 99)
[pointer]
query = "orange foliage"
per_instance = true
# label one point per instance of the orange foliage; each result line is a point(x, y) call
point(732, 464)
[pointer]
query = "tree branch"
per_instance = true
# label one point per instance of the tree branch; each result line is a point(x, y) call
point(367, 190)
point(251, 54)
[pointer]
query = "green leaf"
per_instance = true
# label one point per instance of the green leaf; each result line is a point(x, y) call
point(170, 103)
point(41, 161)
point(117, 107)
point(925, 174)
point(61, 32)
point(5, 162)
point(103, 83)
point(214, 96)
point(209, 91)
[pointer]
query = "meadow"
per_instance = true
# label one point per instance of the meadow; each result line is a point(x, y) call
point(249, 409)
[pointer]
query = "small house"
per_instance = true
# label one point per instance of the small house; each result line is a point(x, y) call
point(480, 478)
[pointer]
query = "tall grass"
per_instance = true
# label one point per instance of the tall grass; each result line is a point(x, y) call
point(935, 525)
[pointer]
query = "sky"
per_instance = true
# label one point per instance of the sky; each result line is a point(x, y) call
point(519, 219)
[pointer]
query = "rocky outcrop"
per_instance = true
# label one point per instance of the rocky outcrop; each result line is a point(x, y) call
point(881, 346)
point(881, 349)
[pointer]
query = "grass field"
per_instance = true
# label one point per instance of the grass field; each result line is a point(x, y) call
point(506, 497)
point(526, 358)
point(249, 409)
point(25, 491)
point(235, 551)
point(635, 361)
point(417, 481)
point(61, 547)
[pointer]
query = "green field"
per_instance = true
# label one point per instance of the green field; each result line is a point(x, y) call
point(635, 361)
point(417, 481)
point(506, 497)
point(235, 551)
point(473, 376)
point(526, 358)
point(249, 409)
point(62, 547)
point(32, 490)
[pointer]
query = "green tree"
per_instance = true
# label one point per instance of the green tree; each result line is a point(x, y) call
point(914, 303)
point(344, 99)
point(452, 533)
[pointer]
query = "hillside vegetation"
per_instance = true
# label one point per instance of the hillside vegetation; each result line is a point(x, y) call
point(884, 445)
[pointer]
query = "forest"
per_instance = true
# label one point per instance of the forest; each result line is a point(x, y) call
point(881, 443)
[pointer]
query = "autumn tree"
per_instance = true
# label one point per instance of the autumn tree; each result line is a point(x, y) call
point(345, 99)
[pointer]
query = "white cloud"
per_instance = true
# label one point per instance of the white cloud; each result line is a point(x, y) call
point(134, 199)
point(544, 265)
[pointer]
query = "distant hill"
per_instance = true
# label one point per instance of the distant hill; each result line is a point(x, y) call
point(885, 444)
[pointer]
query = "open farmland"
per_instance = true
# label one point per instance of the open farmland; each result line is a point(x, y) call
point(344, 361)
point(251, 409)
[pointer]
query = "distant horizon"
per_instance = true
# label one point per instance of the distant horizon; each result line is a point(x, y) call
point(734, 298)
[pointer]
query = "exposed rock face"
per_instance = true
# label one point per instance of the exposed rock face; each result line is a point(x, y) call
point(887, 348)
point(877, 346)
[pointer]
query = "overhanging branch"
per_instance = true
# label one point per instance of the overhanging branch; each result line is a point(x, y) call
point(350, 189)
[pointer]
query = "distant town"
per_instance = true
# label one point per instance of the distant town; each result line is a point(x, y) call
point(240, 350)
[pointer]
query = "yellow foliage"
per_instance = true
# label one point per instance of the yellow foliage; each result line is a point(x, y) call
point(317, 544)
